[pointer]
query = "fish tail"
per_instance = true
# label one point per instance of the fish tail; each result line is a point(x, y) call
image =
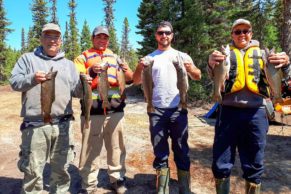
point(86, 125)
point(47, 118)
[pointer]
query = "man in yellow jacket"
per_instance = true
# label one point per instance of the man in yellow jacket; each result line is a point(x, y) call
point(105, 124)
point(242, 121)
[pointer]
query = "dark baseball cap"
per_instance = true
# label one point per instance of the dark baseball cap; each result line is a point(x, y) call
point(100, 30)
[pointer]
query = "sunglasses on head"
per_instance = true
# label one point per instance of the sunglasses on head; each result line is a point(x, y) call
point(164, 32)
point(239, 32)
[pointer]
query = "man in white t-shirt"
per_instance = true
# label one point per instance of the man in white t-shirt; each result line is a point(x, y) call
point(167, 119)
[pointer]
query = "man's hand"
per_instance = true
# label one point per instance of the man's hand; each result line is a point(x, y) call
point(39, 76)
point(215, 58)
point(279, 59)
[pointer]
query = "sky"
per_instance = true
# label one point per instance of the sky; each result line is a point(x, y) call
point(20, 16)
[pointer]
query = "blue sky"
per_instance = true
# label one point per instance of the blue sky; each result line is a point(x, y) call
point(90, 10)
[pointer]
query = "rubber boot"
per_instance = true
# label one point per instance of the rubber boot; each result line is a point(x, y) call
point(163, 176)
point(184, 181)
point(222, 185)
point(253, 188)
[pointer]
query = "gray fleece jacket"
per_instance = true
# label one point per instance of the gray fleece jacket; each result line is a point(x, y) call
point(67, 83)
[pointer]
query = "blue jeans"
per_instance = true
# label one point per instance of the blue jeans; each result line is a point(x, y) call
point(244, 129)
point(171, 122)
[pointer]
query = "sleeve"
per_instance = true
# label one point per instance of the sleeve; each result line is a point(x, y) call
point(80, 63)
point(76, 84)
point(22, 79)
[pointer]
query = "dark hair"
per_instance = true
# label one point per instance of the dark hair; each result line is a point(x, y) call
point(165, 23)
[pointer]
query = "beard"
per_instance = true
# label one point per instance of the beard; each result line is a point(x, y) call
point(164, 44)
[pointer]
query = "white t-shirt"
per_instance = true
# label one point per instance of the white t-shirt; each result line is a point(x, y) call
point(165, 91)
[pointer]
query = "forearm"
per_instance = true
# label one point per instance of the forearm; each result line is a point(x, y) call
point(137, 75)
point(194, 73)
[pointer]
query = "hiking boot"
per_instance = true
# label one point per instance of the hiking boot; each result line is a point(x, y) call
point(253, 188)
point(119, 186)
point(222, 185)
point(163, 177)
point(184, 182)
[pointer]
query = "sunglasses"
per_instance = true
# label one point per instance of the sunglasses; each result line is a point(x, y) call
point(51, 37)
point(160, 33)
point(239, 32)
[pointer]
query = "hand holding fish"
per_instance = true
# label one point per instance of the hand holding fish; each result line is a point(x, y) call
point(279, 59)
point(215, 58)
point(40, 76)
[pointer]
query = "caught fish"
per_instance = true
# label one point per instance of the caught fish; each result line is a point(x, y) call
point(274, 77)
point(48, 95)
point(182, 81)
point(121, 79)
point(86, 100)
point(221, 73)
point(147, 83)
point(103, 86)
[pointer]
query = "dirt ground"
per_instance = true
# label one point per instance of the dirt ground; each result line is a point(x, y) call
point(140, 174)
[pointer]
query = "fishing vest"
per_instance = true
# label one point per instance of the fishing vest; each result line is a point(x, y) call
point(92, 57)
point(247, 71)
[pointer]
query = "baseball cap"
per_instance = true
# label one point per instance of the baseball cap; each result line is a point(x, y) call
point(241, 21)
point(51, 26)
point(100, 30)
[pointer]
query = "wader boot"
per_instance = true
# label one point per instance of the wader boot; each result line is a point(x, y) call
point(163, 176)
point(253, 188)
point(184, 182)
point(222, 185)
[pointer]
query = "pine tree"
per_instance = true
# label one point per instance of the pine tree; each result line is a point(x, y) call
point(109, 20)
point(4, 30)
point(74, 43)
point(23, 43)
point(54, 18)
point(125, 47)
point(39, 16)
point(85, 40)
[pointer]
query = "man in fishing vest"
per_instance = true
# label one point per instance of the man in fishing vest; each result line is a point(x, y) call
point(242, 121)
point(106, 124)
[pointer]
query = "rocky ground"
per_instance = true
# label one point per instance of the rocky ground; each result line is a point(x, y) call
point(140, 174)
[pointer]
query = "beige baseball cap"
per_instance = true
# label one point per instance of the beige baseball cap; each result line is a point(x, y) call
point(51, 26)
point(241, 21)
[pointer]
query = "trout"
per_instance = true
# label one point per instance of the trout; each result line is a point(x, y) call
point(182, 81)
point(48, 95)
point(86, 100)
point(121, 79)
point(221, 73)
point(147, 83)
point(103, 86)
point(274, 77)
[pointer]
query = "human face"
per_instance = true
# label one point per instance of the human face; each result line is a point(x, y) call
point(242, 39)
point(100, 41)
point(164, 37)
point(51, 42)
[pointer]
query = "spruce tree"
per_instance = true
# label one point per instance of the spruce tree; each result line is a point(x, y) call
point(109, 20)
point(74, 43)
point(4, 30)
point(39, 17)
point(66, 40)
point(85, 40)
point(148, 14)
point(54, 17)
point(23, 43)
point(125, 46)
